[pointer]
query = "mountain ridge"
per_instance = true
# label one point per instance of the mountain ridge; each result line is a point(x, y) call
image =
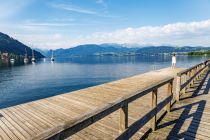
point(120, 49)
point(11, 45)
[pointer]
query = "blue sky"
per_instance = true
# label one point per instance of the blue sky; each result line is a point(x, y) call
point(67, 23)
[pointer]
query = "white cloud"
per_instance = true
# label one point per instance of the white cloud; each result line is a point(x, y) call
point(101, 12)
point(50, 24)
point(12, 7)
point(53, 24)
point(63, 19)
point(73, 8)
point(190, 33)
point(45, 41)
point(101, 2)
point(179, 34)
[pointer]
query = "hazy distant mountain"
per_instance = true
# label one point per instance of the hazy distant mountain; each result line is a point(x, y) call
point(10, 45)
point(119, 49)
point(169, 49)
point(92, 49)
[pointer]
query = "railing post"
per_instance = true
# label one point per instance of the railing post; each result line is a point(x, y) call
point(199, 74)
point(170, 92)
point(154, 105)
point(192, 74)
point(188, 77)
point(185, 80)
point(123, 118)
point(178, 87)
point(208, 66)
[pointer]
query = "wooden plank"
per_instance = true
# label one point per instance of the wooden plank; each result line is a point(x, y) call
point(83, 122)
point(40, 123)
point(27, 121)
point(39, 115)
point(8, 131)
point(53, 110)
point(84, 102)
point(43, 111)
point(28, 132)
point(189, 118)
point(50, 116)
point(12, 128)
point(3, 135)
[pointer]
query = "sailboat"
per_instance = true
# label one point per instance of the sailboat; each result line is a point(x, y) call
point(12, 60)
point(52, 58)
point(33, 60)
point(26, 57)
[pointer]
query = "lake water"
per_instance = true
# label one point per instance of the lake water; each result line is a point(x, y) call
point(23, 83)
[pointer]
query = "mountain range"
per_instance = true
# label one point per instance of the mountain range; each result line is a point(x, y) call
point(169, 49)
point(90, 49)
point(13, 46)
point(119, 50)
point(10, 45)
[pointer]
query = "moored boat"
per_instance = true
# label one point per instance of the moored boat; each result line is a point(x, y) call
point(12, 60)
point(26, 57)
point(52, 58)
point(33, 60)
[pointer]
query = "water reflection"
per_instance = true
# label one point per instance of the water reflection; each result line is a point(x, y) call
point(21, 83)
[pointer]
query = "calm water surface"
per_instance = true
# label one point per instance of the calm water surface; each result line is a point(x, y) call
point(23, 83)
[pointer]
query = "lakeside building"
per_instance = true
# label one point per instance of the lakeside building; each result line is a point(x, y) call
point(4, 56)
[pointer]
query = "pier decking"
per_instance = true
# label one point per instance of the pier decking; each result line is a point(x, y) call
point(122, 109)
point(190, 118)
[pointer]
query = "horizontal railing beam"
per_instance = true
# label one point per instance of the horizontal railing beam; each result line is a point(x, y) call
point(192, 72)
point(189, 69)
point(149, 89)
point(133, 128)
point(188, 81)
point(80, 123)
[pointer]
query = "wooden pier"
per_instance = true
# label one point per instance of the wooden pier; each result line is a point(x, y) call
point(162, 104)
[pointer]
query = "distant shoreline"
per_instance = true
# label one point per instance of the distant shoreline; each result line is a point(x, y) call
point(199, 53)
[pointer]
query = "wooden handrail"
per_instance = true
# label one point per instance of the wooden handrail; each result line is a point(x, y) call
point(189, 69)
point(189, 75)
point(122, 104)
point(133, 128)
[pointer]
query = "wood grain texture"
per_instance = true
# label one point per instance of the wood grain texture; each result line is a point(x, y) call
point(45, 118)
point(190, 117)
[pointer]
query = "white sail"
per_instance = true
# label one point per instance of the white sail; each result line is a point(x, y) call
point(33, 60)
point(26, 57)
point(52, 58)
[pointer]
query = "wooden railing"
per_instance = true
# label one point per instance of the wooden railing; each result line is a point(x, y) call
point(125, 131)
point(187, 77)
point(122, 105)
